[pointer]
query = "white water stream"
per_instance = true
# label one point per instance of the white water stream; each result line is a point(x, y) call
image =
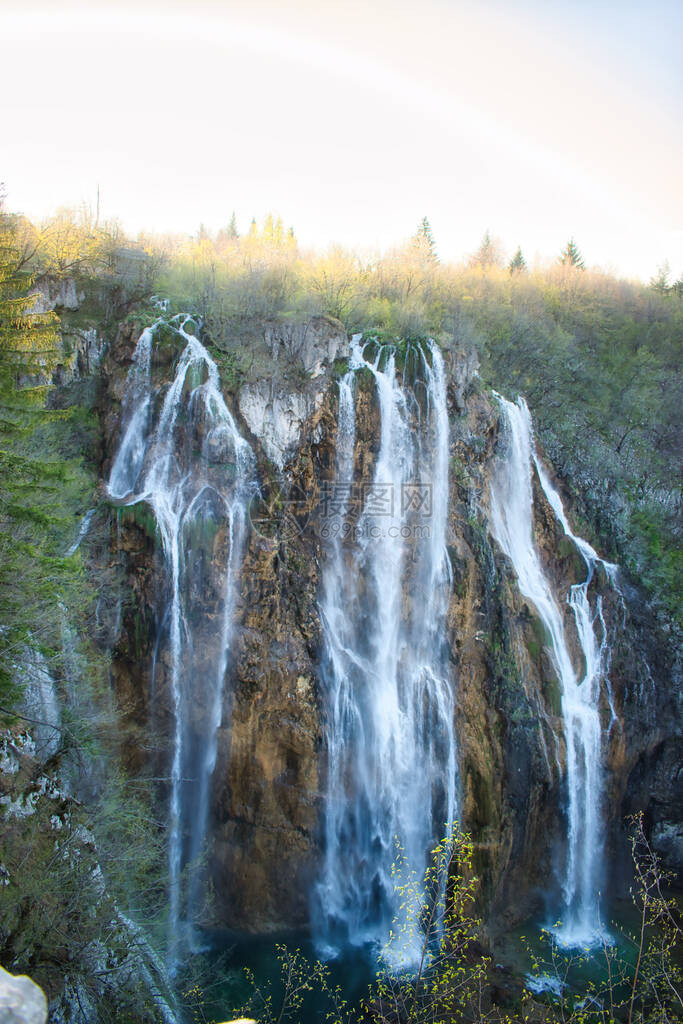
point(181, 454)
point(512, 527)
point(391, 748)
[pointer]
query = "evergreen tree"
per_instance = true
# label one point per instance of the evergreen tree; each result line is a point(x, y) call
point(423, 240)
point(32, 487)
point(517, 264)
point(660, 282)
point(488, 254)
point(232, 227)
point(571, 257)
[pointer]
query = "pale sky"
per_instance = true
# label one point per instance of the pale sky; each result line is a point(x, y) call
point(353, 120)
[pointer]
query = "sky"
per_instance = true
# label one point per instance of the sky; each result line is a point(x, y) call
point(352, 120)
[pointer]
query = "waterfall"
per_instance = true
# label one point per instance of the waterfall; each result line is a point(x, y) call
point(181, 453)
point(512, 527)
point(391, 753)
point(82, 531)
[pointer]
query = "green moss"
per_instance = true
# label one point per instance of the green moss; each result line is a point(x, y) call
point(553, 694)
point(365, 379)
point(142, 516)
point(197, 374)
point(535, 638)
point(230, 371)
point(200, 533)
point(410, 353)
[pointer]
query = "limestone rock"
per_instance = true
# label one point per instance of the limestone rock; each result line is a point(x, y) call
point(21, 1000)
point(83, 351)
point(462, 367)
point(55, 294)
point(277, 416)
point(317, 342)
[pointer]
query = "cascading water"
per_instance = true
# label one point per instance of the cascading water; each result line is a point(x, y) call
point(512, 527)
point(391, 752)
point(182, 455)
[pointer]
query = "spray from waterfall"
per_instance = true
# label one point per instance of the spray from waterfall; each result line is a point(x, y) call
point(181, 454)
point(391, 751)
point(512, 527)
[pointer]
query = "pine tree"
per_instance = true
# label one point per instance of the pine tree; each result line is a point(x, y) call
point(660, 282)
point(32, 575)
point(517, 264)
point(232, 227)
point(423, 240)
point(488, 254)
point(571, 257)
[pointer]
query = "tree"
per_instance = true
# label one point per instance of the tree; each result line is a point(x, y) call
point(488, 254)
point(336, 278)
point(571, 257)
point(423, 241)
point(32, 488)
point(517, 264)
point(660, 282)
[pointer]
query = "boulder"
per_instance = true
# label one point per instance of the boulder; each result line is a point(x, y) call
point(21, 1000)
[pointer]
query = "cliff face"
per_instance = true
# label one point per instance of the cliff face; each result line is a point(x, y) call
point(269, 781)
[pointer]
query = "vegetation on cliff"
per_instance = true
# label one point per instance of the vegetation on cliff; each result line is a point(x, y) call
point(597, 359)
point(76, 850)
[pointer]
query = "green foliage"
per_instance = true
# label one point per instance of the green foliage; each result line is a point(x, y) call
point(298, 979)
point(68, 871)
point(35, 484)
point(660, 282)
point(571, 257)
point(231, 372)
point(433, 975)
point(73, 867)
point(517, 264)
point(436, 968)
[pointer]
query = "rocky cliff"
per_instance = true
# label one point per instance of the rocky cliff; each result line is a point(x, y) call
point(269, 781)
